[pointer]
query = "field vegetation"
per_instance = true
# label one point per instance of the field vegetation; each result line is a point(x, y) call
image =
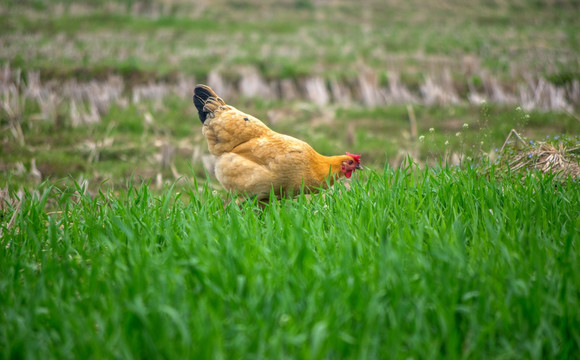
point(430, 264)
point(459, 239)
point(101, 90)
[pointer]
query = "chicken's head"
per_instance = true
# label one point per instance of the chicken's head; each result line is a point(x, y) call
point(351, 164)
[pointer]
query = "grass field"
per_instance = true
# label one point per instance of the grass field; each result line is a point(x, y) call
point(432, 264)
point(101, 91)
point(116, 240)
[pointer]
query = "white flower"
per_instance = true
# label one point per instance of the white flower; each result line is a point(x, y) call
point(421, 138)
point(447, 142)
point(458, 133)
point(466, 125)
point(285, 318)
point(483, 102)
point(431, 130)
point(518, 109)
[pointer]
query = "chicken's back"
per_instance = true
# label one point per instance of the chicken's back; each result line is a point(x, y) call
point(229, 128)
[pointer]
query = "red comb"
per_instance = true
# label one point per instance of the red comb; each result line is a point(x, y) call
point(355, 157)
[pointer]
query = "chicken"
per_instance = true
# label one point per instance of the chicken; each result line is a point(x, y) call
point(254, 160)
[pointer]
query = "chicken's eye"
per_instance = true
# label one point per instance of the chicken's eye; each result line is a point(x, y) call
point(350, 162)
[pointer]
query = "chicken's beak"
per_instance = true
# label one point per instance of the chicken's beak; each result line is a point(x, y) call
point(358, 167)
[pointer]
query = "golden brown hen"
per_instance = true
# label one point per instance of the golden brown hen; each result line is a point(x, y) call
point(254, 160)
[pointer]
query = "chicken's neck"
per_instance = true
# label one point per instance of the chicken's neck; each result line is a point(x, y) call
point(330, 167)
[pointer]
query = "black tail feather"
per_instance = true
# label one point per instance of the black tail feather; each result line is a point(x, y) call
point(201, 94)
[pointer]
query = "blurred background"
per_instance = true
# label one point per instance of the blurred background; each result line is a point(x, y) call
point(98, 92)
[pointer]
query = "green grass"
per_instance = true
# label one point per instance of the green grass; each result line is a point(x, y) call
point(406, 264)
point(436, 263)
point(285, 39)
